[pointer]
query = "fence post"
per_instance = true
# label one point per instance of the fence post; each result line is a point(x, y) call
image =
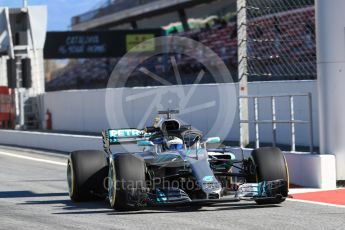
point(311, 135)
point(292, 118)
point(256, 117)
point(274, 124)
point(242, 69)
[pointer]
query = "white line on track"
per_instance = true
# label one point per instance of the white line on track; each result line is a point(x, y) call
point(318, 203)
point(33, 158)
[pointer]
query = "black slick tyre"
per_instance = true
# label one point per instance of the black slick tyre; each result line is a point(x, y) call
point(86, 173)
point(271, 165)
point(126, 179)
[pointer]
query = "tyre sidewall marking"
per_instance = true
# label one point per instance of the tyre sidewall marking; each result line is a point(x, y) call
point(113, 186)
point(72, 179)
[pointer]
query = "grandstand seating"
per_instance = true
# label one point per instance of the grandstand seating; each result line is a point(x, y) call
point(270, 55)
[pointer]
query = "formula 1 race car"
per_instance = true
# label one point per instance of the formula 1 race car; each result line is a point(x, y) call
point(175, 167)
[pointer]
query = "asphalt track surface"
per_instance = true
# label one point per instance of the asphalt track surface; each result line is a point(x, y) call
point(33, 196)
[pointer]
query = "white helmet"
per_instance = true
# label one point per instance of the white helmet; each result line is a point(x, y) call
point(175, 144)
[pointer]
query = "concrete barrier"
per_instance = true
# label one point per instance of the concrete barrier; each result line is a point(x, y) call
point(51, 141)
point(312, 170)
point(57, 141)
point(307, 170)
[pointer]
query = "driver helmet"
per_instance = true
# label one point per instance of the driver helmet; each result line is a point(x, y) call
point(175, 144)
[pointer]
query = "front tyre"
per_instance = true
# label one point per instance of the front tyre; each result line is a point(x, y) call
point(126, 178)
point(271, 165)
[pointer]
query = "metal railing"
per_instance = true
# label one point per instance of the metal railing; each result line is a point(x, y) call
point(274, 121)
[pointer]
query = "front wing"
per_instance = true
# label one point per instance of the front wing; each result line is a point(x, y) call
point(267, 190)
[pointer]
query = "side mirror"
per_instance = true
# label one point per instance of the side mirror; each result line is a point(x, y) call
point(212, 140)
point(145, 143)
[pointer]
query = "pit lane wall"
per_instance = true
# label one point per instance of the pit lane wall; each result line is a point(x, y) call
point(211, 108)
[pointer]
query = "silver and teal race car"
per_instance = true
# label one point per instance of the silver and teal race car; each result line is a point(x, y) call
point(176, 166)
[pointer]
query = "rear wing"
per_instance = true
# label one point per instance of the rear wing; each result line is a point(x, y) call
point(123, 136)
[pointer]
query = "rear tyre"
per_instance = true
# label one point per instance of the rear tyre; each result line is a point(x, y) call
point(126, 179)
point(270, 165)
point(86, 172)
